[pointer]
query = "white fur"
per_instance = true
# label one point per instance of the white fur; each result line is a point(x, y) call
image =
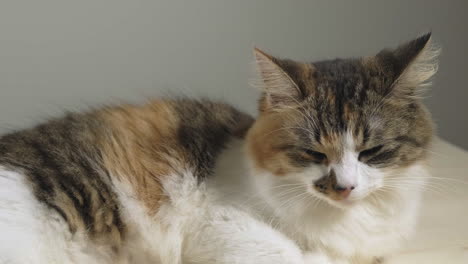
point(193, 228)
point(240, 215)
point(30, 233)
point(196, 227)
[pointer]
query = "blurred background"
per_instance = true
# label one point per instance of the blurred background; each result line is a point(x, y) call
point(57, 55)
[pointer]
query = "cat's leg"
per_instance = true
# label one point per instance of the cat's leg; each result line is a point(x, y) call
point(227, 235)
point(323, 258)
point(30, 233)
point(24, 232)
point(319, 258)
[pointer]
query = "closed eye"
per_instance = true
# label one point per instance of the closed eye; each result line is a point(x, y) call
point(318, 156)
point(370, 152)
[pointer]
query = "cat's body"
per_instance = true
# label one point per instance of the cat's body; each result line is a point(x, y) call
point(330, 172)
point(111, 185)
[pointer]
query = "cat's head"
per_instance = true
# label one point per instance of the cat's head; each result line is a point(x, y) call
point(342, 128)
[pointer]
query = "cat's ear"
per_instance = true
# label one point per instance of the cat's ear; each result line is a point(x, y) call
point(278, 87)
point(412, 65)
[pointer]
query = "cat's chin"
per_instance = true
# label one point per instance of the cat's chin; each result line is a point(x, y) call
point(341, 204)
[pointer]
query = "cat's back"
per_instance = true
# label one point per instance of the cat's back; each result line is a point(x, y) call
point(52, 196)
point(61, 181)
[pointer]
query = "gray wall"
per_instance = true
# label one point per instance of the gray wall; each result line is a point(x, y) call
point(57, 55)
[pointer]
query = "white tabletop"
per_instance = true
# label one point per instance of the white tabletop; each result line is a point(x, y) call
point(442, 236)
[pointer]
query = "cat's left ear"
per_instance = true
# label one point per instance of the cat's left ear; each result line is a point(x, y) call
point(277, 81)
point(412, 65)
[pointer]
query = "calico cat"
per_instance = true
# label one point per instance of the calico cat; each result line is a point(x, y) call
point(329, 172)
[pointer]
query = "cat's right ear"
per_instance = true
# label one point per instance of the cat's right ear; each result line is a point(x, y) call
point(413, 64)
point(278, 87)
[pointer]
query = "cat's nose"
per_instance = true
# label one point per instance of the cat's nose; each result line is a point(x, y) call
point(344, 191)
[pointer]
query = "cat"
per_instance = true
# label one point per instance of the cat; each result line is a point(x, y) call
point(329, 172)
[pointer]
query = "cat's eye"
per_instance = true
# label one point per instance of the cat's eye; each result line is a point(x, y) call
point(317, 156)
point(370, 152)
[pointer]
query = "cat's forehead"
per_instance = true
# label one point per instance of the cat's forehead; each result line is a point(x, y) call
point(334, 69)
point(346, 96)
point(349, 81)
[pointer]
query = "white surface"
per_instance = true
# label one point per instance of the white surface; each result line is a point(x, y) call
point(442, 236)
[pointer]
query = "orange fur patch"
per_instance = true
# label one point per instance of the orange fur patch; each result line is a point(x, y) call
point(141, 148)
point(266, 138)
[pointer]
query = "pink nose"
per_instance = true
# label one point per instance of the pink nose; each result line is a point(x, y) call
point(343, 191)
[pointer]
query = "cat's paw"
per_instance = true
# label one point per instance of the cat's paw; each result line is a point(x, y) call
point(321, 258)
point(316, 258)
point(378, 261)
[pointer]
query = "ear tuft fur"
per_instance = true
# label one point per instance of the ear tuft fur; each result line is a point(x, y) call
point(418, 73)
point(415, 63)
point(278, 87)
